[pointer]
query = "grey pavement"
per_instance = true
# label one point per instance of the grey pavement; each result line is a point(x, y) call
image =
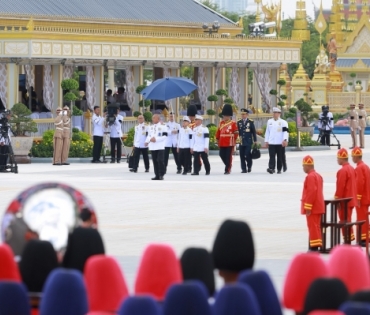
point(187, 210)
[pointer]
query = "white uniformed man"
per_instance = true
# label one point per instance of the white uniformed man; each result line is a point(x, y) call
point(115, 139)
point(4, 146)
point(141, 132)
point(98, 123)
point(200, 145)
point(325, 125)
point(156, 141)
point(353, 124)
point(362, 124)
point(171, 142)
point(276, 137)
point(183, 145)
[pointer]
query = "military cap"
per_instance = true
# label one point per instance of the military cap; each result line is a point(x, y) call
point(192, 110)
point(227, 110)
point(342, 154)
point(66, 108)
point(198, 117)
point(308, 160)
point(186, 118)
point(59, 109)
point(244, 110)
point(356, 151)
point(352, 105)
point(276, 110)
point(233, 249)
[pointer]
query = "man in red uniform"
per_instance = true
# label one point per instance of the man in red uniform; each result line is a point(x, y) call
point(363, 191)
point(226, 135)
point(312, 202)
point(346, 187)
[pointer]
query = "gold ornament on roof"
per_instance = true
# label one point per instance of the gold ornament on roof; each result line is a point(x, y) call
point(320, 23)
point(30, 25)
point(271, 12)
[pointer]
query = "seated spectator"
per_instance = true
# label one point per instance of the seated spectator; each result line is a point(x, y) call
point(110, 98)
point(121, 95)
point(122, 111)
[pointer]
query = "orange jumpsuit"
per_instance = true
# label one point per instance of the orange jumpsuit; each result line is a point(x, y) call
point(363, 195)
point(346, 188)
point(226, 135)
point(313, 200)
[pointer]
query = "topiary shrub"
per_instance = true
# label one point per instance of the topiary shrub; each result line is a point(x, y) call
point(211, 112)
point(129, 141)
point(148, 117)
point(20, 120)
point(137, 114)
point(212, 98)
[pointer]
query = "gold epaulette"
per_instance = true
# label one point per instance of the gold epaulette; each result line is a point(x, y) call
point(251, 120)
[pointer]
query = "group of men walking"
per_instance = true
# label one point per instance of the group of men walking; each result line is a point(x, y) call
point(351, 183)
point(62, 136)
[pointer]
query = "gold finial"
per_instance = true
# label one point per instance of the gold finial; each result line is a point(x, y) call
point(320, 23)
point(30, 25)
point(241, 21)
point(300, 30)
point(258, 13)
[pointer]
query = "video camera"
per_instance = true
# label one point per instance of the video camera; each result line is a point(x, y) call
point(258, 29)
point(4, 123)
point(324, 118)
point(111, 111)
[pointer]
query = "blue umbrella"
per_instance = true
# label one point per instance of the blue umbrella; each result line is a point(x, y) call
point(168, 88)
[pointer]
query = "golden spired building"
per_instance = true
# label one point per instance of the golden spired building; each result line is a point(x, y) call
point(300, 30)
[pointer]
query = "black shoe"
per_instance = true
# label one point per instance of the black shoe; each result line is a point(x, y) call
point(58, 164)
point(133, 170)
point(249, 170)
point(194, 173)
point(92, 161)
point(285, 168)
point(200, 168)
point(363, 243)
point(146, 171)
point(160, 178)
point(279, 172)
point(155, 178)
point(244, 171)
point(269, 170)
point(313, 249)
point(207, 173)
point(112, 161)
point(118, 161)
point(227, 173)
point(184, 173)
point(65, 163)
point(178, 172)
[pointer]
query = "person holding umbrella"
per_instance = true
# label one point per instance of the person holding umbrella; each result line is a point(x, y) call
point(156, 139)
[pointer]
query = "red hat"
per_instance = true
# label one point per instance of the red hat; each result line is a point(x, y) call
point(105, 284)
point(308, 160)
point(342, 154)
point(352, 105)
point(8, 267)
point(159, 269)
point(356, 151)
point(350, 265)
point(303, 270)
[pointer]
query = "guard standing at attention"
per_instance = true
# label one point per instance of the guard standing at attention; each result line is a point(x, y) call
point(58, 138)
point(346, 187)
point(353, 125)
point(362, 124)
point(363, 191)
point(312, 202)
point(226, 136)
point(276, 137)
point(66, 134)
point(247, 136)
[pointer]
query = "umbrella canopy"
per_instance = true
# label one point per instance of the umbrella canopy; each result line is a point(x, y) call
point(168, 88)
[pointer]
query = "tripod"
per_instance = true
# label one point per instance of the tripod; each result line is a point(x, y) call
point(106, 147)
point(11, 165)
point(324, 132)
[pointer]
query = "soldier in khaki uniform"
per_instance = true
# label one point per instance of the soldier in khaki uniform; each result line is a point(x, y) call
point(353, 125)
point(66, 134)
point(362, 124)
point(58, 138)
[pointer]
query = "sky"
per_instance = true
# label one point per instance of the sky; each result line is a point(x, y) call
point(289, 6)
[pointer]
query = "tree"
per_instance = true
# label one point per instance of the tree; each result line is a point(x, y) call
point(20, 120)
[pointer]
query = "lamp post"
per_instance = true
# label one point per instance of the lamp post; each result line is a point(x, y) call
point(210, 29)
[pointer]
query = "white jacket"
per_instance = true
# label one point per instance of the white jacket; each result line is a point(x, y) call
point(141, 132)
point(98, 123)
point(276, 131)
point(159, 132)
point(116, 128)
point(171, 140)
point(185, 138)
point(200, 139)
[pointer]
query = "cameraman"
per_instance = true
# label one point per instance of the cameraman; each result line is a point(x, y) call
point(325, 125)
point(115, 137)
point(4, 140)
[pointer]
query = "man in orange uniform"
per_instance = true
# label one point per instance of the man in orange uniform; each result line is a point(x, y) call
point(346, 187)
point(312, 202)
point(226, 135)
point(363, 191)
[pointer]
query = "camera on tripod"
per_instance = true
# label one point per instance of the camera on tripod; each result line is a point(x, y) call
point(324, 117)
point(111, 110)
point(4, 123)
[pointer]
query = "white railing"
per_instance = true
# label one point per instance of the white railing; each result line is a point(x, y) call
point(42, 126)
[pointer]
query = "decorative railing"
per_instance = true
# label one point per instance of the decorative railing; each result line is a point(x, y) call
point(341, 99)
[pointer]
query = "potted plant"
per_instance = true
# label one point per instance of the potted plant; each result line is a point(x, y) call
point(129, 140)
point(21, 124)
point(306, 114)
point(280, 97)
point(72, 94)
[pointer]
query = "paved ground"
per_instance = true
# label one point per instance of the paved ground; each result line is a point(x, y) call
point(187, 210)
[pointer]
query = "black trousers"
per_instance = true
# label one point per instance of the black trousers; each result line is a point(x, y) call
point(98, 143)
point(144, 152)
point(115, 143)
point(204, 156)
point(275, 152)
point(325, 137)
point(283, 157)
point(226, 155)
point(245, 153)
point(158, 163)
point(185, 159)
point(175, 156)
point(4, 150)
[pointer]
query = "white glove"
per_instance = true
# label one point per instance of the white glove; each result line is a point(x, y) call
point(60, 113)
point(359, 128)
point(65, 113)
